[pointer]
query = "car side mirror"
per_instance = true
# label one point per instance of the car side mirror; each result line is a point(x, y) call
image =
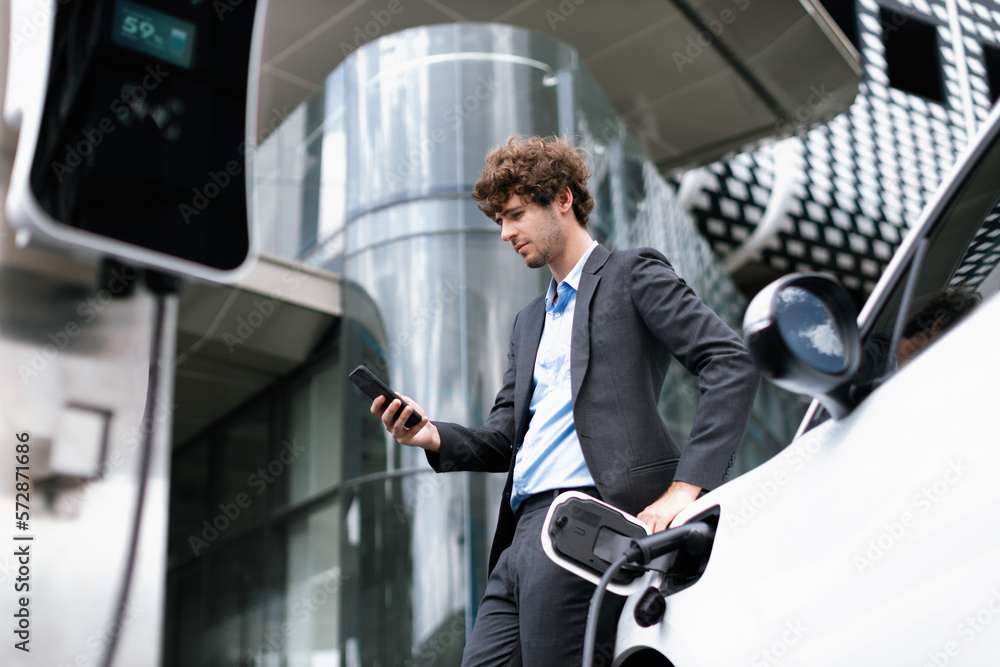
point(802, 334)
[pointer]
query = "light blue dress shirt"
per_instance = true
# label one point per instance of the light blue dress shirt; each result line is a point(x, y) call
point(551, 457)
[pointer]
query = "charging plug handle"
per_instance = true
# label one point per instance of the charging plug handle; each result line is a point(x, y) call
point(692, 537)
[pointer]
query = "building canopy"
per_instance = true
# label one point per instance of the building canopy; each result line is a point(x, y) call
point(694, 80)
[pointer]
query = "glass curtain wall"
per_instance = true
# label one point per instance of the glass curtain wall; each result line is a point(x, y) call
point(421, 110)
point(358, 554)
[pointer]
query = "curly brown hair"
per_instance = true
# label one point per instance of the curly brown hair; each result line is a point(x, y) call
point(946, 309)
point(535, 169)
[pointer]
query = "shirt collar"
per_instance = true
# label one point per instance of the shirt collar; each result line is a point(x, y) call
point(572, 279)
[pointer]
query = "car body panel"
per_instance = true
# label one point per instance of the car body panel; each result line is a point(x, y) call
point(870, 539)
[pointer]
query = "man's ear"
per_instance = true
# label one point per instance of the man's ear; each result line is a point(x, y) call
point(564, 199)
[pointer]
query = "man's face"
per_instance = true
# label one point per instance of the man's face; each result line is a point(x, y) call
point(533, 231)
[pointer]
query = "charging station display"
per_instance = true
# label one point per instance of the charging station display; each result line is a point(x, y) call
point(153, 33)
point(142, 136)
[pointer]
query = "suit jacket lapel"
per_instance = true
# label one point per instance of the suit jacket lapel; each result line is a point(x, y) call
point(580, 353)
point(531, 336)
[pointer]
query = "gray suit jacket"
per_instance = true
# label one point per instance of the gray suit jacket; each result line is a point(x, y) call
point(633, 313)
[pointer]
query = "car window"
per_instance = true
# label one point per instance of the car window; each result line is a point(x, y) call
point(960, 271)
point(962, 262)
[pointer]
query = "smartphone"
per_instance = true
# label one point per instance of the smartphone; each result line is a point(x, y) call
point(371, 385)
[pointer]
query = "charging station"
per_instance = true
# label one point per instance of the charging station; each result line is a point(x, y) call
point(135, 132)
point(129, 141)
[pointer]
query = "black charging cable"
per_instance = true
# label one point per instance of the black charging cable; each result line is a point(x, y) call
point(693, 537)
point(162, 285)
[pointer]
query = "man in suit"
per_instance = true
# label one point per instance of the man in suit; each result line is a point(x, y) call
point(578, 406)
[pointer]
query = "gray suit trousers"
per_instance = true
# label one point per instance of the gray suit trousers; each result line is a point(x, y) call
point(534, 613)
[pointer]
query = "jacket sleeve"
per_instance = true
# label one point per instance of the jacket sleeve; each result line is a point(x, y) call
point(709, 349)
point(487, 448)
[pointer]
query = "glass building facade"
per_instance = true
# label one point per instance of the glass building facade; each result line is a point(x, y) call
point(302, 535)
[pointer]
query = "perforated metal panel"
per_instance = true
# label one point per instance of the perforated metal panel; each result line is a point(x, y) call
point(861, 180)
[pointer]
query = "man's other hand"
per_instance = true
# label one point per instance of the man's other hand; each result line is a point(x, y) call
point(659, 515)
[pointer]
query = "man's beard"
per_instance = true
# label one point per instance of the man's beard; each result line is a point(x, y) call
point(547, 242)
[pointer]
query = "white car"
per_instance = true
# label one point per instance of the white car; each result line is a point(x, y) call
point(874, 537)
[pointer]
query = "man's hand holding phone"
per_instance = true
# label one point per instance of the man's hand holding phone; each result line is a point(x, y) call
point(403, 418)
point(424, 434)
